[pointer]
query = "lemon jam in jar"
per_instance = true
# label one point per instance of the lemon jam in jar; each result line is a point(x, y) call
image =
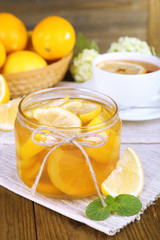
point(63, 137)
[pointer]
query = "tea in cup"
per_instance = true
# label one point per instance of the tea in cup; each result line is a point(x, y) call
point(131, 79)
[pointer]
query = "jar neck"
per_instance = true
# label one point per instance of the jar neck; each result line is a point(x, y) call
point(85, 94)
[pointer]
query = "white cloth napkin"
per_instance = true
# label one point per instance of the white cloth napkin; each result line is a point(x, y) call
point(75, 209)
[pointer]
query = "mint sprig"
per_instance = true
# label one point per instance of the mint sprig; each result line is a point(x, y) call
point(126, 205)
point(96, 211)
point(123, 205)
point(83, 43)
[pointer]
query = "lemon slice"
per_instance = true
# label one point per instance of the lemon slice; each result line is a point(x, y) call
point(56, 117)
point(122, 67)
point(73, 106)
point(8, 114)
point(29, 148)
point(127, 178)
point(95, 121)
point(4, 90)
point(56, 102)
point(51, 103)
point(69, 172)
point(89, 111)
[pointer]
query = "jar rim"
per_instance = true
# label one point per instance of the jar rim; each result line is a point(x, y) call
point(108, 122)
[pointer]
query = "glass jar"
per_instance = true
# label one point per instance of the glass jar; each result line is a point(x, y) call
point(56, 156)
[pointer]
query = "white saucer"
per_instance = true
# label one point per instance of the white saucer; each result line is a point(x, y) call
point(140, 114)
point(148, 112)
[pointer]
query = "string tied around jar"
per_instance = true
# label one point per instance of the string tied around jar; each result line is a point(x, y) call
point(57, 138)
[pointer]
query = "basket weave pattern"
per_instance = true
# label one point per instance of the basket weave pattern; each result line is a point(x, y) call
point(24, 83)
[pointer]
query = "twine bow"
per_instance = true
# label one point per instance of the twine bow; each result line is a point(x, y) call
point(59, 139)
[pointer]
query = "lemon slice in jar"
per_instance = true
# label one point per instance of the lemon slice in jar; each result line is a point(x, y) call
point(56, 102)
point(51, 103)
point(56, 117)
point(122, 67)
point(89, 111)
point(127, 178)
point(70, 173)
point(73, 106)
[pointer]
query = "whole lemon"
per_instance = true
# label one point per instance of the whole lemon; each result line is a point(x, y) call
point(13, 33)
point(22, 61)
point(53, 37)
point(2, 54)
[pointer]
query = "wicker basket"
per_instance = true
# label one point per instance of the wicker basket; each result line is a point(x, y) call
point(26, 82)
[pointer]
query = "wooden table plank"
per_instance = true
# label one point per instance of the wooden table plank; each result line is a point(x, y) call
point(17, 223)
point(16, 217)
point(51, 225)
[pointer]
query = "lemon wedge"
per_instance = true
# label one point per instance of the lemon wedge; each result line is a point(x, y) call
point(4, 90)
point(8, 114)
point(89, 111)
point(127, 178)
point(122, 67)
point(56, 117)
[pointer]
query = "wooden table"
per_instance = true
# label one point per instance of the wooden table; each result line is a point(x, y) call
point(21, 219)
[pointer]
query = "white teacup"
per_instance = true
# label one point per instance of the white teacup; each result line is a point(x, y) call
point(127, 90)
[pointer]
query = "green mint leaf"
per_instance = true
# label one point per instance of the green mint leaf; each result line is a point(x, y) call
point(113, 207)
point(94, 46)
point(82, 43)
point(109, 199)
point(127, 205)
point(96, 211)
